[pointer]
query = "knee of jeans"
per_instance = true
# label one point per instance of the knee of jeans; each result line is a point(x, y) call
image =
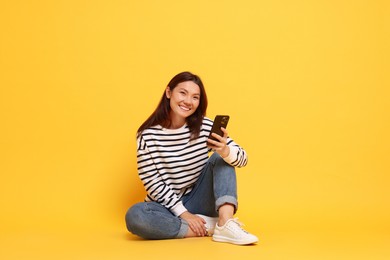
point(134, 217)
point(218, 160)
point(215, 158)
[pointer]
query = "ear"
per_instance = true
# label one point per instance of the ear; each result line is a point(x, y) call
point(168, 92)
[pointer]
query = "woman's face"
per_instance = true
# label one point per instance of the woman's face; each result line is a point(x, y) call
point(184, 100)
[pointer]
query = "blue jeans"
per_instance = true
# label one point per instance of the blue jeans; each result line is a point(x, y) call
point(216, 186)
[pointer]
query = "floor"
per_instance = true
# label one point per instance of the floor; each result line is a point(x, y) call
point(115, 243)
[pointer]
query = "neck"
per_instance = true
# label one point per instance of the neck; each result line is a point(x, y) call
point(176, 123)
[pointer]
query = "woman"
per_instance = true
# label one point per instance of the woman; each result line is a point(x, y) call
point(188, 193)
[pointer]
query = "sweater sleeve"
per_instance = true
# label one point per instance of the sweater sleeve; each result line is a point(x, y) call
point(157, 190)
point(237, 156)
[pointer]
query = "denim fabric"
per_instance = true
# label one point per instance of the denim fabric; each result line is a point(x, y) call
point(216, 186)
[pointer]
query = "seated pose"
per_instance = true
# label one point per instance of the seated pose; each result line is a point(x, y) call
point(189, 194)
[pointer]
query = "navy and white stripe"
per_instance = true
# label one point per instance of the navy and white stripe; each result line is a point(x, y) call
point(169, 163)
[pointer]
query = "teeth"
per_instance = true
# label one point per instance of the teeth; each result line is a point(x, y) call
point(184, 108)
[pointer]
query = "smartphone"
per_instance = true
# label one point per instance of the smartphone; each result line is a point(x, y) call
point(219, 121)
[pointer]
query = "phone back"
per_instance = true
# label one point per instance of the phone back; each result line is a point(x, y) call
point(219, 121)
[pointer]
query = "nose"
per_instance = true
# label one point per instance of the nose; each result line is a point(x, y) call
point(187, 100)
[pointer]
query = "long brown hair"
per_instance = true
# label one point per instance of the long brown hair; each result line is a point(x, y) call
point(161, 115)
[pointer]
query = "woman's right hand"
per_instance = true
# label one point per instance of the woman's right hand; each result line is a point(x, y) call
point(196, 223)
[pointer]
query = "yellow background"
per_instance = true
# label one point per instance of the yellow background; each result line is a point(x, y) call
point(306, 85)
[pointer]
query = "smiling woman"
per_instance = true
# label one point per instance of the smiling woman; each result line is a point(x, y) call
point(188, 193)
point(186, 81)
point(184, 100)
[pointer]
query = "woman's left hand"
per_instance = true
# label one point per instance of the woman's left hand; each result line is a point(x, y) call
point(220, 146)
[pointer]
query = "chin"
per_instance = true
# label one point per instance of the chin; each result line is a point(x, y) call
point(190, 113)
point(185, 113)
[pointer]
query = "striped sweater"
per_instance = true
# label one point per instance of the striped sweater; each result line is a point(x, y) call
point(169, 163)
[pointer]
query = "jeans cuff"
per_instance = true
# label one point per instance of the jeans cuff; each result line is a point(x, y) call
point(183, 229)
point(226, 199)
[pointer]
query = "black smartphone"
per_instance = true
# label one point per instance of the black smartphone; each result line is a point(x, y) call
point(219, 121)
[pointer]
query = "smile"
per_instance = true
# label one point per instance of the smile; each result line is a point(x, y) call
point(185, 108)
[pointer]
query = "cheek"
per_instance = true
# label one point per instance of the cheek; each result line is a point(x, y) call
point(196, 104)
point(172, 100)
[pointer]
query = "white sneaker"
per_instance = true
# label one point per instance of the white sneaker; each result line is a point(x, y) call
point(232, 232)
point(210, 224)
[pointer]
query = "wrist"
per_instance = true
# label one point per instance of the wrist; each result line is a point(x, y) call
point(185, 214)
point(225, 153)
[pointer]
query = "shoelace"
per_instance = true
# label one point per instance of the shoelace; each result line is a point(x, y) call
point(240, 224)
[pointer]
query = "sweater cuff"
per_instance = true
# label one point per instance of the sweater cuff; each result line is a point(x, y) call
point(232, 154)
point(178, 209)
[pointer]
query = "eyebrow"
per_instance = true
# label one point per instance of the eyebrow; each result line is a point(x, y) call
point(181, 88)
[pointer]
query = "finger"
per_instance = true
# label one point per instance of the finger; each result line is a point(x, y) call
point(200, 220)
point(218, 137)
point(225, 132)
point(202, 230)
point(198, 230)
point(214, 147)
point(201, 226)
point(212, 142)
point(194, 229)
point(198, 227)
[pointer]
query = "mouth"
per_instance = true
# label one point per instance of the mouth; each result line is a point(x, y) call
point(185, 108)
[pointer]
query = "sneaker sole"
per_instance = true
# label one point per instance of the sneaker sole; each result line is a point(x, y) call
point(232, 241)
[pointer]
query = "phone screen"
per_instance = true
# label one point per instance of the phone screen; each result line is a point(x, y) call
point(219, 121)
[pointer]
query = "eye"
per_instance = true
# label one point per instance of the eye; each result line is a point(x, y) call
point(196, 98)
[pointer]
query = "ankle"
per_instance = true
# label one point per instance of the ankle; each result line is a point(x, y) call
point(222, 220)
point(226, 212)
